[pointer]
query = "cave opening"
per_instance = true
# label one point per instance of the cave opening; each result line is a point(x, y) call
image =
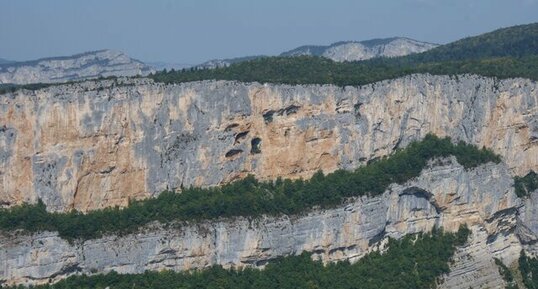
point(256, 145)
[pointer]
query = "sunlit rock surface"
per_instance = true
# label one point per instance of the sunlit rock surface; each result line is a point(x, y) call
point(100, 143)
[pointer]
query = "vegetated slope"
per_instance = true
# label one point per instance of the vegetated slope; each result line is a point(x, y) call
point(247, 197)
point(415, 261)
point(317, 70)
point(515, 41)
point(504, 53)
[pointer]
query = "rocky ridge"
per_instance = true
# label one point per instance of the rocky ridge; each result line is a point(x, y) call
point(343, 51)
point(363, 50)
point(444, 195)
point(102, 63)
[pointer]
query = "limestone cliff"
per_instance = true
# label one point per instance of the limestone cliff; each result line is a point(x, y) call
point(444, 195)
point(100, 143)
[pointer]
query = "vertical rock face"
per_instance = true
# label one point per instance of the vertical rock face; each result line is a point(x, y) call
point(444, 195)
point(97, 144)
point(102, 63)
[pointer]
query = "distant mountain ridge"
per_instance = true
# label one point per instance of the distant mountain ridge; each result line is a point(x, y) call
point(105, 63)
point(94, 64)
point(363, 50)
point(343, 51)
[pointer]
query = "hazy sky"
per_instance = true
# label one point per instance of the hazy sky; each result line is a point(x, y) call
point(192, 31)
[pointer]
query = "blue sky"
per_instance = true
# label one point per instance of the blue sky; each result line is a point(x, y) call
point(192, 31)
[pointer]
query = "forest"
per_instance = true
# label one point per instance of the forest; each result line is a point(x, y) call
point(319, 70)
point(414, 261)
point(247, 197)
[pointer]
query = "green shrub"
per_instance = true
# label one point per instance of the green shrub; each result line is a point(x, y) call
point(506, 274)
point(523, 186)
point(529, 270)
